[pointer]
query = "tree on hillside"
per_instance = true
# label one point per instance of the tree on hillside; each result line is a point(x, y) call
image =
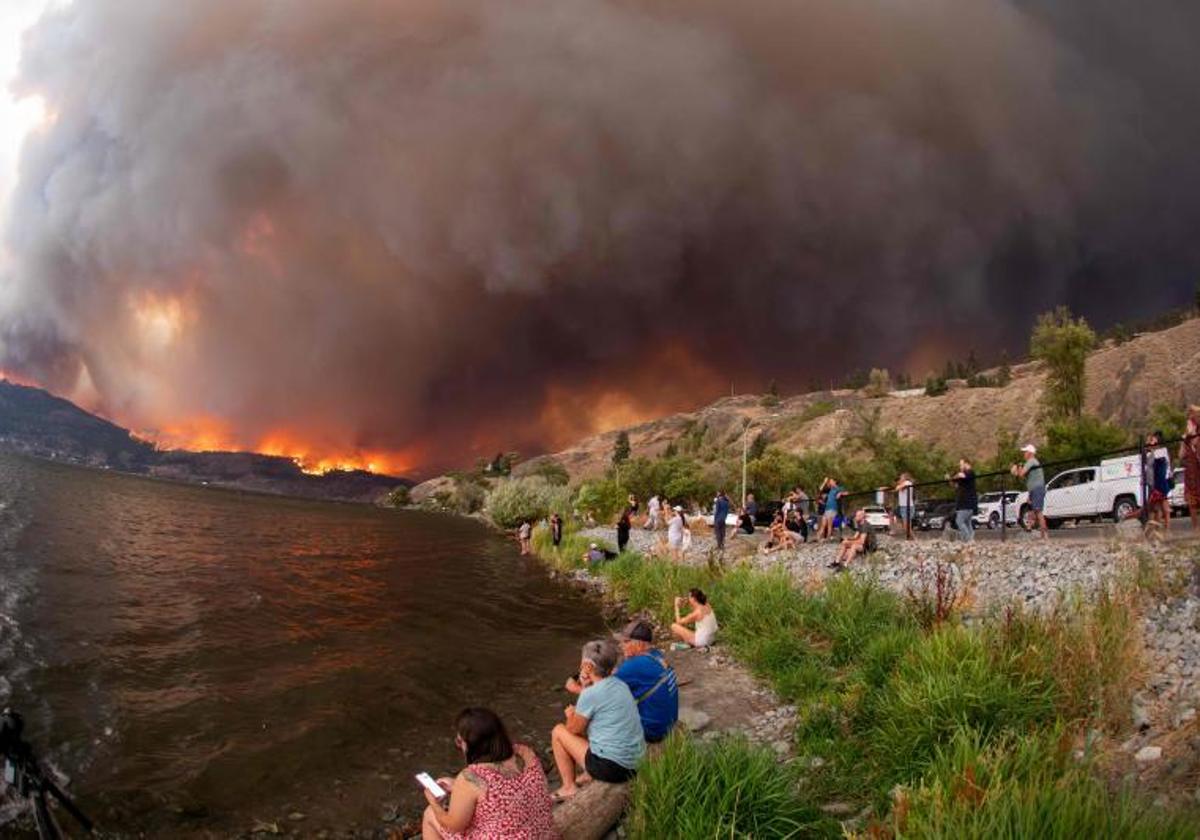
point(771, 398)
point(879, 383)
point(1083, 439)
point(621, 448)
point(1062, 342)
point(1167, 418)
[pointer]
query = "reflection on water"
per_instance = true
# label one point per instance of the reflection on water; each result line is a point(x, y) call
point(198, 659)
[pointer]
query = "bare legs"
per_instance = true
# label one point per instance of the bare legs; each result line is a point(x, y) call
point(569, 752)
point(683, 633)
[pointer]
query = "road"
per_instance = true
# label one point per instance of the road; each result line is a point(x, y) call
point(1180, 529)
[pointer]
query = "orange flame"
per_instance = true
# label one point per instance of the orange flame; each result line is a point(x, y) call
point(210, 434)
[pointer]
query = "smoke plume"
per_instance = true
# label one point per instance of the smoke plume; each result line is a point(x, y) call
point(441, 228)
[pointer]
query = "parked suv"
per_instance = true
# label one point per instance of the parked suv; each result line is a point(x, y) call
point(990, 505)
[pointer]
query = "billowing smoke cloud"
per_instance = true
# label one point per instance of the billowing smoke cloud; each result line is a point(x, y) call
point(443, 227)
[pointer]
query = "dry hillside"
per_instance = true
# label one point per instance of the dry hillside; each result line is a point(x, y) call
point(1123, 383)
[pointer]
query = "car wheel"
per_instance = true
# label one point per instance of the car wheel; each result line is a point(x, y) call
point(1123, 507)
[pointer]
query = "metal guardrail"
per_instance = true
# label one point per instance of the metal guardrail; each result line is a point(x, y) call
point(1005, 475)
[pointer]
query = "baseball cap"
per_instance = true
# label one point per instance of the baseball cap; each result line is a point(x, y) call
point(638, 630)
point(1030, 448)
point(594, 545)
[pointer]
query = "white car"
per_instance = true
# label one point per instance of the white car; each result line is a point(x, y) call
point(877, 518)
point(990, 506)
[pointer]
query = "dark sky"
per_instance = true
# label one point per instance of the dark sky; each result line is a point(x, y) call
point(441, 228)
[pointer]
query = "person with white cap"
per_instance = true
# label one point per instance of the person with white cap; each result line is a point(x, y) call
point(1035, 483)
point(594, 554)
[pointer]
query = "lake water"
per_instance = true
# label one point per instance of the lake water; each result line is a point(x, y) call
point(197, 660)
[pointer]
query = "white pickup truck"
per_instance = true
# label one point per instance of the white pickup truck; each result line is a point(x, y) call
point(1111, 490)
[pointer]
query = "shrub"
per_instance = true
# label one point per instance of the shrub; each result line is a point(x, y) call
point(1027, 786)
point(771, 398)
point(817, 409)
point(879, 383)
point(600, 498)
point(723, 789)
point(1081, 438)
point(947, 683)
point(935, 386)
point(548, 468)
point(399, 497)
point(516, 500)
point(1087, 655)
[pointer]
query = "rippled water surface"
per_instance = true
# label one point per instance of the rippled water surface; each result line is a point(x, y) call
point(196, 660)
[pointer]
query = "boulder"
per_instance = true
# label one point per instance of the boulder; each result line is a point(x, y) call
point(693, 719)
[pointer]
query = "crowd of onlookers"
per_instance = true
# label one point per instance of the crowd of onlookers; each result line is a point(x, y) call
point(627, 698)
point(627, 693)
point(800, 517)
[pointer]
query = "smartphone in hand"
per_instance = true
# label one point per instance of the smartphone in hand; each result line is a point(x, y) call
point(433, 787)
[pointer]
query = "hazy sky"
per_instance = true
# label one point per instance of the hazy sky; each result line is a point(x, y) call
point(439, 228)
point(17, 117)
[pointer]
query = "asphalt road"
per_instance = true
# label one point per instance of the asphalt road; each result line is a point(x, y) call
point(1180, 529)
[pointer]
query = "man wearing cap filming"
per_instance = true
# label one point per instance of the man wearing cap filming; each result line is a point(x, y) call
point(650, 679)
point(1035, 483)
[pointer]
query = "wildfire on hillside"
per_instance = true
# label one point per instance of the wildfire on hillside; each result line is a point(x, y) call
point(210, 434)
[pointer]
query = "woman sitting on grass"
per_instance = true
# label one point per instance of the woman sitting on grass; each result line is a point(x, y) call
point(501, 792)
point(702, 616)
point(603, 731)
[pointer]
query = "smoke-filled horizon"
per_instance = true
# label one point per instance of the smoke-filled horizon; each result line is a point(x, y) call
point(439, 229)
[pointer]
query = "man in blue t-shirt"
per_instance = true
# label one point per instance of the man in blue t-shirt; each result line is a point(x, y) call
point(650, 679)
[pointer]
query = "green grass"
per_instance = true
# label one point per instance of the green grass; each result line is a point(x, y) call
point(884, 701)
point(724, 789)
point(1017, 788)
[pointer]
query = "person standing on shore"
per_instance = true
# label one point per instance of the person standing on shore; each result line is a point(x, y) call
point(1158, 465)
point(556, 529)
point(675, 534)
point(1189, 456)
point(905, 503)
point(1035, 484)
point(966, 500)
point(653, 513)
point(720, 514)
point(524, 533)
point(831, 489)
point(624, 524)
